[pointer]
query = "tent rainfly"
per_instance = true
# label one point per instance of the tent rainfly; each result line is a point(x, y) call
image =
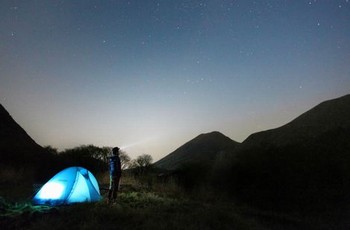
point(71, 185)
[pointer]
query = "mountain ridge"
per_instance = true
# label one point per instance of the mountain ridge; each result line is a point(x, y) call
point(324, 117)
point(304, 162)
point(14, 140)
point(319, 121)
point(204, 147)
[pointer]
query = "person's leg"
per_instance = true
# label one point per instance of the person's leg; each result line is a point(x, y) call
point(111, 189)
point(115, 187)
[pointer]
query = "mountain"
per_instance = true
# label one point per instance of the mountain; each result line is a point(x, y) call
point(15, 144)
point(325, 117)
point(203, 148)
point(303, 165)
point(19, 153)
point(305, 162)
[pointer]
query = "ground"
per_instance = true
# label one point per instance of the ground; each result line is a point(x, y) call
point(141, 206)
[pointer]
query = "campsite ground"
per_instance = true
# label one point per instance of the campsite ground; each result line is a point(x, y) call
point(141, 206)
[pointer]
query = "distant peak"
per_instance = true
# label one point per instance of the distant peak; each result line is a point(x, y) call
point(212, 133)
point(202, 148)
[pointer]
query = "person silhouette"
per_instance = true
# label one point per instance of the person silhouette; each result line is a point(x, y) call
point(114, 175)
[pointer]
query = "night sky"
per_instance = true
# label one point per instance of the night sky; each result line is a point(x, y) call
point(152, 75)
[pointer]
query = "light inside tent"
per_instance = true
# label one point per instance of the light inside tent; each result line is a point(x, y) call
point(51, 190)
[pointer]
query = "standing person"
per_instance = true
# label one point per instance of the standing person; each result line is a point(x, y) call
point(115, 172)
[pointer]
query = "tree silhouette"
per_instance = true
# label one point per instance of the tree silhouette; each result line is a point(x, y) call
point(144, 161)
point(51, 149)
point(142, 164)
point(125, 160)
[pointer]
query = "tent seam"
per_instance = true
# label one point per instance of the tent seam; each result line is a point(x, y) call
point(74, 185)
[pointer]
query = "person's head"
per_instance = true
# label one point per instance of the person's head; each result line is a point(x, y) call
point(115, 151)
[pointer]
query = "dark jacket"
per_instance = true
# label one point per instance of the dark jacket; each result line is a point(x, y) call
point(114, 166)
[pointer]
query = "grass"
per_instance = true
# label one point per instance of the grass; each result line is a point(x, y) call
point(134, 210)
point(141, 206)
point(138, 206)
point(144, 210)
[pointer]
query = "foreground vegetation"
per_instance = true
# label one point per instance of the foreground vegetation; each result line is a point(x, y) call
point(141, 206)
point(194, 197)
point(138, 207)
point(143, 211)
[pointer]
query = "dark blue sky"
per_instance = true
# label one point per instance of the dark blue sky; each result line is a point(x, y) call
point(158, 73)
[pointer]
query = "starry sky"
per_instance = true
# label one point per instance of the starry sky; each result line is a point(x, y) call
point(149, 75)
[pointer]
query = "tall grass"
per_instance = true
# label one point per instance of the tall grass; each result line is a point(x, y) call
point(16, 183)
point(145, 210)
point(14, 175)
point(140, 206)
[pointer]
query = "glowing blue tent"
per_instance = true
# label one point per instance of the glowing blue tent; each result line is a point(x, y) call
point(71, 185)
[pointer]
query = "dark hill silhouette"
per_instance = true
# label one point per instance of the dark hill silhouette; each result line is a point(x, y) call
point(303, 165)
point(21, 153)
point(16, 146)
point(203, 148)
point(327, 116)
point(305, 162)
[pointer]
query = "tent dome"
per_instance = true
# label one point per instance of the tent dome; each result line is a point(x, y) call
point(71, 185)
